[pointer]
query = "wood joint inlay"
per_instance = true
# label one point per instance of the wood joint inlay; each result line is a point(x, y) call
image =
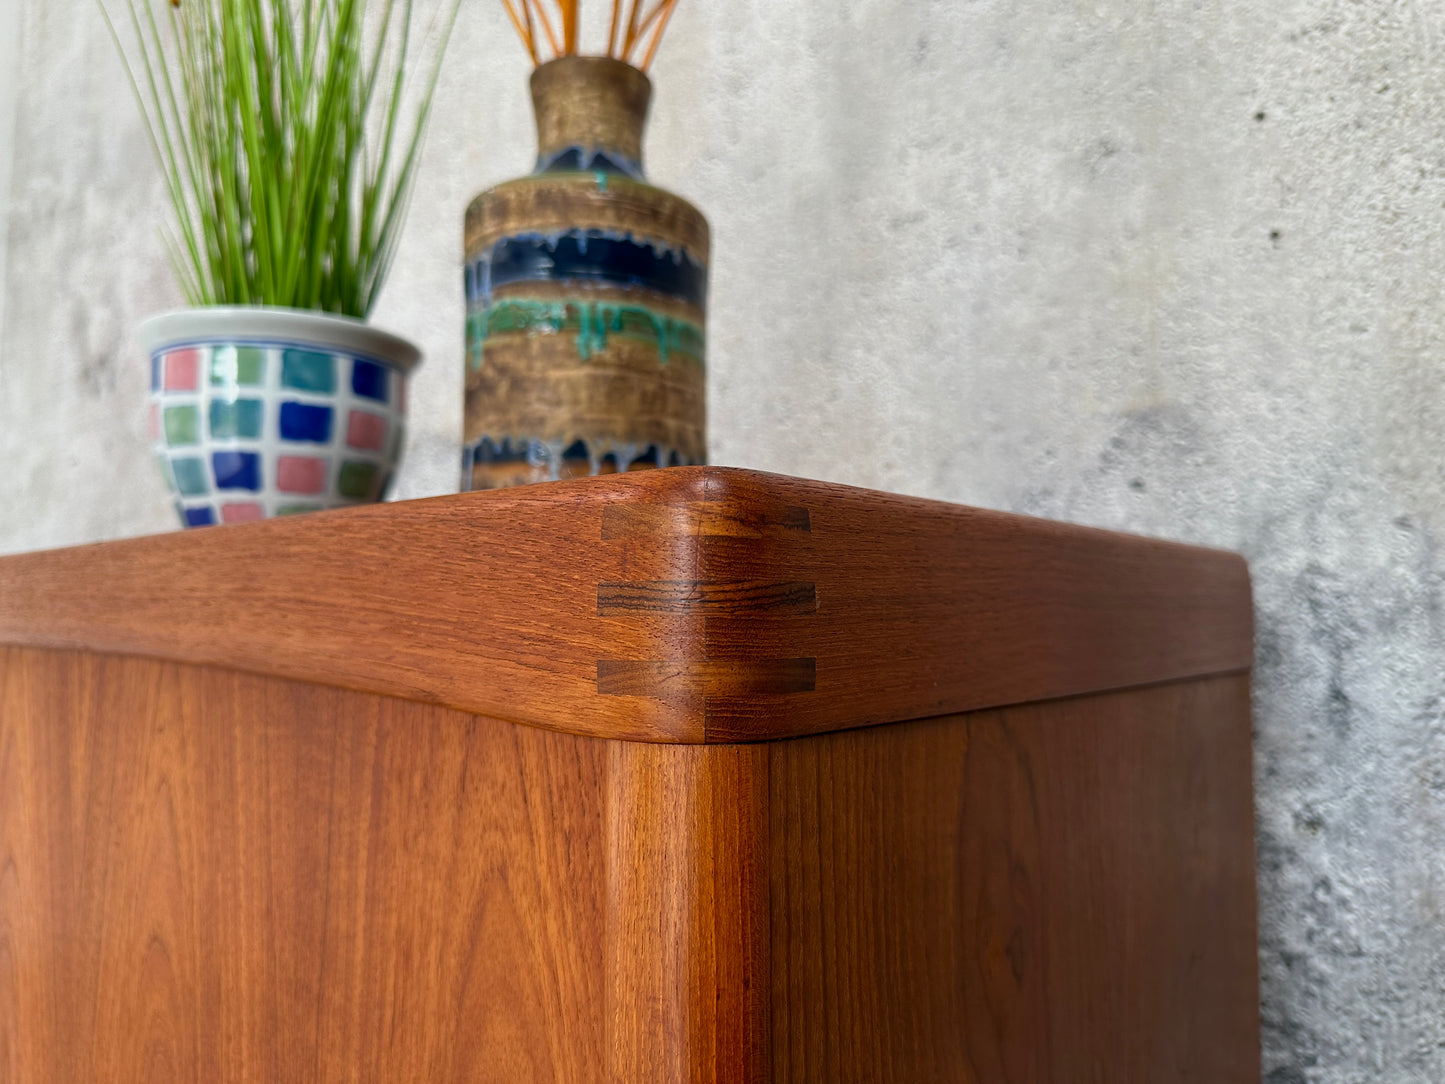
point(731, 597)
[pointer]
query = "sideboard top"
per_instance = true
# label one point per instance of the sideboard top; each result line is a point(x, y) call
point(696, 604)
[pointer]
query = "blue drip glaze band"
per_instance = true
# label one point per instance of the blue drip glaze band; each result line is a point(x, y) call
point(583, 159)
point(588, 256)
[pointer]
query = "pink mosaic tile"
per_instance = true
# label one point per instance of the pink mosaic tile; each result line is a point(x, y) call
point(365, 430)
point(183, 370)
point(301, 474)
point(242, 512)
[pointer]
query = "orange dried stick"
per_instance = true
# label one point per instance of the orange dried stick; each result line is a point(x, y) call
point(546, 26)
point(657, 37)
point(631, 30)
point(647, 21)
point(612, 34)
point(522, 31)
point(531, 31)
point(569, 25)
point(650, 18)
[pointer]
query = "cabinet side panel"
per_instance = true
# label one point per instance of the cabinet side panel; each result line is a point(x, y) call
point(1058, 891)
point(27, 934)
point(687, 926)
point(217, 877)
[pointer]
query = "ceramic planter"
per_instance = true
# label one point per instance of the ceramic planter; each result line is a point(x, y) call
point(586, 292)
point(259, 412)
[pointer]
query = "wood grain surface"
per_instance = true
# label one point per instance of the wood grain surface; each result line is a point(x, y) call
point(687, 960)
point(1055, 892)
point(685, 605)
point(213, 876)
point(209, 876)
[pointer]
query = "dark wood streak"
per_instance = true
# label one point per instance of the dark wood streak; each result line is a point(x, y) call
point(699, 596)
point(727, 681)
point(664, 678)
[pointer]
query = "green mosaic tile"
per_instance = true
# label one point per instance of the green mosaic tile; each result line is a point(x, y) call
point(182, 424)
point(191, 477)
point(356, 479)
point(239, 365)
point(306, 370)
point(297, 509)
point(241, 418)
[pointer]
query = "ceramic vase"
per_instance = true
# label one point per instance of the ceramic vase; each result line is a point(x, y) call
point(586, 294)
point(261, 411)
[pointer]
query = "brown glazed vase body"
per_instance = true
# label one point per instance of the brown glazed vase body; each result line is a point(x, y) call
point(586, 297)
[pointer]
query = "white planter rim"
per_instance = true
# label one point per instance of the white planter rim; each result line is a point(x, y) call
point(270, 323)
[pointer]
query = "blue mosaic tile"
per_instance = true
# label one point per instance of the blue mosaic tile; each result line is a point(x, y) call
point(241, 418)
point(155, 372)
point(368, 380)
point(237, 470)
point(190, 474)
point(202, 516)
point(301, 421)
point(307, 370)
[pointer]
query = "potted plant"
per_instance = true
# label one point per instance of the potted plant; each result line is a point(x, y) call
point(289, 154)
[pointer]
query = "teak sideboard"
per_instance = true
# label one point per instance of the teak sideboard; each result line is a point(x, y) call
point(684, 775)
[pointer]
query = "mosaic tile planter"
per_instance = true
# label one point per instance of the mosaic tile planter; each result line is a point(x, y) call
point(586, 293)
point(259, 412)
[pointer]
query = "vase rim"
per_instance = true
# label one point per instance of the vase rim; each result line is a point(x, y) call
point(309, 326)
point(590, 59)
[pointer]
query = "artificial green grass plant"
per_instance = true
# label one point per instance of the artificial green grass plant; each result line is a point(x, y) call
point(278, 125)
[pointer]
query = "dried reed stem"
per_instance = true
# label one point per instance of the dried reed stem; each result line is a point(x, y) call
point(531, 32)
point(631, 29)
point(546, 27)
point(569, 25)
point(612, 34)
point(650, 18)
point(524, 32)
point(657, 36)
point(638, 28)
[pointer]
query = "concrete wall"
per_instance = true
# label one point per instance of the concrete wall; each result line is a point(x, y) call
point(9, 89)
point(1173, 267)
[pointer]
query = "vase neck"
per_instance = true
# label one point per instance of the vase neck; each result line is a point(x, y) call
point(590, 114)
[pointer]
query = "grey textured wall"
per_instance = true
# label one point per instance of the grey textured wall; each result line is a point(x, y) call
point(9, 87)
point(1172, 267)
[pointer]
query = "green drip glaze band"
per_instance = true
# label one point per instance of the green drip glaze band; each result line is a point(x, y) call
point(592, 321)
